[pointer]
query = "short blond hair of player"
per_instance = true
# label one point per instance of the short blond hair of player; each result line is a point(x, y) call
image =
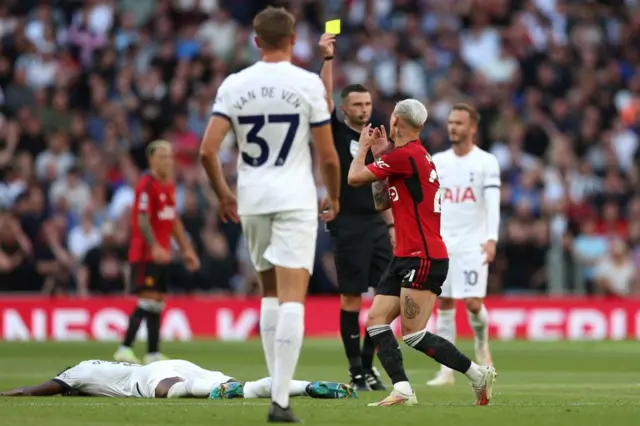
point(470, 194)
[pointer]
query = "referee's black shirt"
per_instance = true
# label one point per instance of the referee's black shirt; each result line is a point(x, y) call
point(352, 200)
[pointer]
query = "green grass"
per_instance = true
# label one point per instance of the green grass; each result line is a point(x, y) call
point(539, 384)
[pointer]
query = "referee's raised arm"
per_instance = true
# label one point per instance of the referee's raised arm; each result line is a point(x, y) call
point(360, 234)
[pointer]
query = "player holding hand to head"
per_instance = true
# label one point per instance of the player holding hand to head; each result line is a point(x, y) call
point(405, 179)
point(470, 187)
point(154, 222)
point(274, 109)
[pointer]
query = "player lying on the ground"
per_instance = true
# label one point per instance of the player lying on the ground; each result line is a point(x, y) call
point(167, 379)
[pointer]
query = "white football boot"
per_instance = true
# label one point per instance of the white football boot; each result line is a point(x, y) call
point(125, 354)
point(484, 388)
point(157, 356)
point(396, 398)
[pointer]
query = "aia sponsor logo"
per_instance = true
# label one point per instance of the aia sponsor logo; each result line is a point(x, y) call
point(458, 195)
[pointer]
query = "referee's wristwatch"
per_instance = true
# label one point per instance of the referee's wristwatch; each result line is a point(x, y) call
point(391, 225)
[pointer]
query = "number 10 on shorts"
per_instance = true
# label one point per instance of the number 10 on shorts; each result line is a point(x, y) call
point(470, 278)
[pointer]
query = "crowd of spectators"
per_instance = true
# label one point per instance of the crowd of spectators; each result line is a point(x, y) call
point(84, 85)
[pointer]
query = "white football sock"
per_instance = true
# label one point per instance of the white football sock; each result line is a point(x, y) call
point(298, 388)
point(199, 388)
point(258, 389)
point(269, 313)
point(479, 323)
point(473, 373)
point(403, 387)
point(446, 328)
point(289, 336)
point(262, 388)
point(178, 390)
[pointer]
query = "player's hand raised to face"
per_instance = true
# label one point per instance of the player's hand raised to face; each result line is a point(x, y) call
point(368, 136)
point(381, 145)
point(327, 44)
point(229, 209)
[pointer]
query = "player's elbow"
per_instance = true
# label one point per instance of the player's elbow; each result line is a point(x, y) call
point(354, 179)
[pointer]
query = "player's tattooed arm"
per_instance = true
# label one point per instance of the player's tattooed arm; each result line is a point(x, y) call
point(145, 227)
point(380, 195)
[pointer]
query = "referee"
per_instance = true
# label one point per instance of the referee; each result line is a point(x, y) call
point(361, 236)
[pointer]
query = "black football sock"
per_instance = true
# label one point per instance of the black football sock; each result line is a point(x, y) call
point(350, 332)
point(135, 319)
point(368, 352)
point(389, 352)
point(153, 332)
point(440, 349)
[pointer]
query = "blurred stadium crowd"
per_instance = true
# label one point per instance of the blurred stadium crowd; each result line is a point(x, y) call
point(84, 85)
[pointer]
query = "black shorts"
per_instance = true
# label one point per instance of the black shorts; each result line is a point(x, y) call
point(362, 251)
point(149, 276)
point(415, 273)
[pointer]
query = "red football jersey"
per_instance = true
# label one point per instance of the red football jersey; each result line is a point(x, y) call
point(414, 191)
point(158, 200)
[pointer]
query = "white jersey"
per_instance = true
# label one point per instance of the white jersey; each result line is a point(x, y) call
point(463, 180)
point(272, 108)
point(121, 379)
point(100, 378)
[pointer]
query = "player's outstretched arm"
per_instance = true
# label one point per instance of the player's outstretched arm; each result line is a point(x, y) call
point(327, 44)
point(49, 388)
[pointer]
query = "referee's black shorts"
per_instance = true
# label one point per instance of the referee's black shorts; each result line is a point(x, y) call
point(362, 251)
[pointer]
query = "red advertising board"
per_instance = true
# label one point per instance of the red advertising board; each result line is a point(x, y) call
point(186, 318)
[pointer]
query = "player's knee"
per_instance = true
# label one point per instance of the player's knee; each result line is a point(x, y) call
point(351, 302)
point(446, 303)
point(376, 319)
point(473, 304)
point(408, 328)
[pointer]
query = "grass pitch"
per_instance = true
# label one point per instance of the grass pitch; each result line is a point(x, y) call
point(539, 384)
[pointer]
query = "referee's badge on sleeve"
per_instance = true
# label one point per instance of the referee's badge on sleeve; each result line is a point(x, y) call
point(353, 148)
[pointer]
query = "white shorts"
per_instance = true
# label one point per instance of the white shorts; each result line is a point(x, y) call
point(286, 239)
point(467, 275)
point(145, 379)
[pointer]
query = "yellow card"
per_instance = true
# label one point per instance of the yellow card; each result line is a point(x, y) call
point(332, 27)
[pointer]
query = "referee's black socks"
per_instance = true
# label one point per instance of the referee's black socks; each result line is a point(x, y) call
point(389, 352)
point(350, 332)
point(438, 348)
point(135, 319)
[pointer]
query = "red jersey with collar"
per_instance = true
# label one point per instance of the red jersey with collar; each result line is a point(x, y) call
point(414, 191)
point(158, 200)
